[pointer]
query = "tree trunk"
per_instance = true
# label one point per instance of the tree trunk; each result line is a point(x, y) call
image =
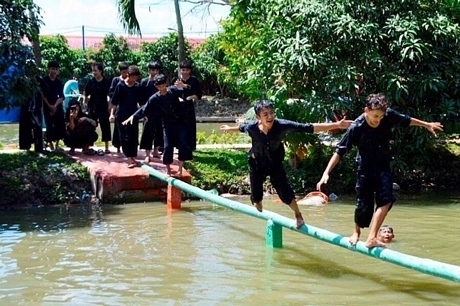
point(35, 40)
point(180, 32)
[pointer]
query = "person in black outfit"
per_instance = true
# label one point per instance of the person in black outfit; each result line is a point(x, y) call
point(152, 133)
point(267, 153)
point(123, 69)
point(371, 133)
point(53, 111)
point(191, 92)
point(125, 101)
point(166, 106)
point(81, 129)
point(98, 108)
point(31, 116)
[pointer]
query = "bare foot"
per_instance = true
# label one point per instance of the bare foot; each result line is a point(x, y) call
point(147, 159)
point(354, 239)
point(258, 206)
point(374, 242)
point(299, 221)
point(168, 170)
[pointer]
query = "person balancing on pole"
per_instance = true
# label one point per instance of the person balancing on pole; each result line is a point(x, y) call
point(371, 133)
point(267, 152)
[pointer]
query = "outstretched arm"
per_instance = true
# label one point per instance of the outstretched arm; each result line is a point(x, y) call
point(332, 163)
point(430, 126)
point(226, 128)
point(342, 124)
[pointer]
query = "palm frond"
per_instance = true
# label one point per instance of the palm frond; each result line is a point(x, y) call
point(127, 17)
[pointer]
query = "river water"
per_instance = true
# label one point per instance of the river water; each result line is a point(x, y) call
point(143, 254)
point(9, 132)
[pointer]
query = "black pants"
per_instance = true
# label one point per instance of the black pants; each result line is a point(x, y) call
point(175, 135)
point(152, 134)
point(79, 140)
point(258, 173)
point(116, 135)
point(55, 124)
point(102, 118)
point(372, 184)
point(129, 137)
point(30, 130)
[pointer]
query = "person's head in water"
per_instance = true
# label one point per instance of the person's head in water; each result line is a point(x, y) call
point(386, 234)
point(265, 113)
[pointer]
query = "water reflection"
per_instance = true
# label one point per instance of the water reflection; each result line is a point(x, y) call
point(208, 255)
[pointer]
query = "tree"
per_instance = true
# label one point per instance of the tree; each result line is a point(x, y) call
point(320, 51)
point(18, 20)
point(165, 51)
point(127, 17)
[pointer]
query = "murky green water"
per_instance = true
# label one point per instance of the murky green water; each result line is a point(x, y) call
point(141, 254)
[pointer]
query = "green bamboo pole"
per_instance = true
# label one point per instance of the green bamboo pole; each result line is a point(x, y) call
point(424, 265)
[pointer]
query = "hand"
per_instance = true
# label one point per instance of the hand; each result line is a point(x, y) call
point(433, 127)
point(73, 114)
point(129, 120)
point(224, 128)
point(181, 100)
point(189, 98)
point(146, 119)
point(180, 83)
point(82, 119)
point(52, 108)
point(112, 118)
point(344, 124)
point(323, 180)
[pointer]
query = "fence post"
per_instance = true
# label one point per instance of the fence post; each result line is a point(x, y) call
point(273, 234)
point(174, 197)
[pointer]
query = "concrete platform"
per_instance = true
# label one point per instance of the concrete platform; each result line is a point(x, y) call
point(114, 182)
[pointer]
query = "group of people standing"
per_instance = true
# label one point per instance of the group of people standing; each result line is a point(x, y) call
point(168, 113)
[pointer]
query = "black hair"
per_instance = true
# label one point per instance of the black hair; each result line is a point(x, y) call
point(133, 70)
point(376, 101)
point(73, 102)
point(53, 64)
point(185, 64)
point(261, 104)
point(154, 65)
point(123, 66)
point(98, 65)
point(384, 227)
point(159, 79)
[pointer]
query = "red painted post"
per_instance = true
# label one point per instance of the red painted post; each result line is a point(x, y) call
point(174, 197)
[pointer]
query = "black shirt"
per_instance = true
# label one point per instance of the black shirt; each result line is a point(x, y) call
point(114, 84)
point(98, 92)
point(148, 89)
point(166, 107)
point(195, 88)
point(53, 90)
point(126, 98)
point(373, 143)
point(269, 148)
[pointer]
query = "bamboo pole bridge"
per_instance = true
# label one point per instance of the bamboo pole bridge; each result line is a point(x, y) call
point(276, 222)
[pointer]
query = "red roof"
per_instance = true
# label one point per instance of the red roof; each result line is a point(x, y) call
point(76, 41)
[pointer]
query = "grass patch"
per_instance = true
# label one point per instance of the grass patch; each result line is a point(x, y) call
point(224, 170)
point(53, 178)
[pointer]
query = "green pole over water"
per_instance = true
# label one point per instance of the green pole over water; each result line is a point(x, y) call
point(424, 265)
